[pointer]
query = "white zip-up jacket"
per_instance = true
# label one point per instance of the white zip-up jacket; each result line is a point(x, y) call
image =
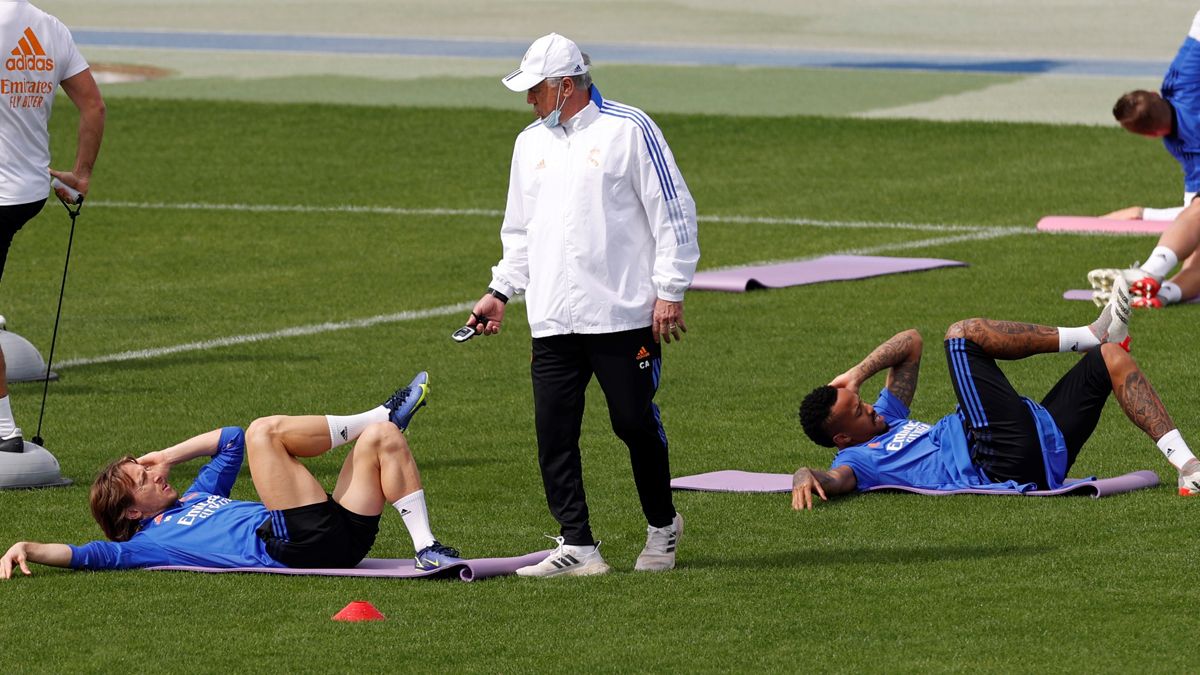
point(599, 223)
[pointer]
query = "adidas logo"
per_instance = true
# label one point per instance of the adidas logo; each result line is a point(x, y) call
point(404, 512)
point(541, 165)
point(344, 434)
point(642, 354)
point(29, 54)
point(565, 561)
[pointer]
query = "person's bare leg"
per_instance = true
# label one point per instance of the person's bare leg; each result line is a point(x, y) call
point(1006, 339)
point(1135, 394)
point(272, 446)
point(1185, 285)
point(1145, 409)
point(1183, 235)
point(10, 433)
point(379, 470)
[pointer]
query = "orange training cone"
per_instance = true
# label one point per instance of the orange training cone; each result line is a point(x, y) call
point(359, 610)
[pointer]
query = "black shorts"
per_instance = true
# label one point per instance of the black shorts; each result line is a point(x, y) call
point(319, 535)
point(12, 219)
point(1001, 431)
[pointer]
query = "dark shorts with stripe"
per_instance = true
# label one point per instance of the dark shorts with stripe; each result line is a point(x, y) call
point(1001, 431)
point(326, 534)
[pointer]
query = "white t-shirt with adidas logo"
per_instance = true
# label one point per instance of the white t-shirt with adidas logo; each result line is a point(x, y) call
point(37, 52)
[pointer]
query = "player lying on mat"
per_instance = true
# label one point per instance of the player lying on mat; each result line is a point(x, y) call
point(997, 438)
point(296, 525)
point(1146, 282)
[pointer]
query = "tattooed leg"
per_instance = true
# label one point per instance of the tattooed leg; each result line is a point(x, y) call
point(1135, 393)
point(1006, 339)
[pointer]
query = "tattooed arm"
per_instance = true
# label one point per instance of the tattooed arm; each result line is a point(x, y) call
point(825, 484)
point(901, 353)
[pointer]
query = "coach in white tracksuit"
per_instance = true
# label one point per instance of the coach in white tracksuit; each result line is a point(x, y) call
point(600, 234)
point(38, 55)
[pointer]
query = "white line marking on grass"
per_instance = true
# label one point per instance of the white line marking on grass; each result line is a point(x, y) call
point(299, 208)
point(967, 233)
point(977, 235)
point(295, 331)
point(493, 213)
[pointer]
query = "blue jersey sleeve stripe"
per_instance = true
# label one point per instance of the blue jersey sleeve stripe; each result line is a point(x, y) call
point(662, 178)
point(648, 131)
point(674, 210)
point(660, 165)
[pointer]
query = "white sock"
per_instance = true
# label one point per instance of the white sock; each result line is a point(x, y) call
point(8, 426)
point(416, 519)
point(1175, 449)
point(578, 551)
point(1079, 339)
point(1162, 261)
point(346, 428)
point(1170, 293)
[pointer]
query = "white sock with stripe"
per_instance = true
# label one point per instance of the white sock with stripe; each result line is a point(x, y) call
point(346, 428)
point(1175, 449)
point(416, 519)
point(1162, 260)
point(1170, 293)
point(1077, 339)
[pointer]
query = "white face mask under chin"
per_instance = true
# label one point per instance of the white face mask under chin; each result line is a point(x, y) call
point(552, 120)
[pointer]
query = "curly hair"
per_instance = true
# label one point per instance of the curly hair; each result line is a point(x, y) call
point(814, 413)
point(112, 494)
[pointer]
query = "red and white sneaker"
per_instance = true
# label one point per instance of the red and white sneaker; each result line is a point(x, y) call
point(1189, 484)
point(1143, 302)
point(1140, 284)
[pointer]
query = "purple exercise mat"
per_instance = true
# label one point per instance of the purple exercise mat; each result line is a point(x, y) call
point(828, 268)
point(401, 568)
point(1086, 294)
point(748, 481)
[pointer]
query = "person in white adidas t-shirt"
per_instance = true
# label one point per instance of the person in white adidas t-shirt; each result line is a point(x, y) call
point(38, 55)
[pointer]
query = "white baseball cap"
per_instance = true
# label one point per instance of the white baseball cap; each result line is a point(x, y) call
point(549, 56)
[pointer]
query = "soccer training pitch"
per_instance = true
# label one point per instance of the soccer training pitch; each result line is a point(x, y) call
point(237, 260)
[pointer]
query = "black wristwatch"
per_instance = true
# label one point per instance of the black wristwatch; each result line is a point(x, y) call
point(498, 295)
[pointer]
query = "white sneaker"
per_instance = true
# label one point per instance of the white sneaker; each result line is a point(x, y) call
point(1113, 323)
point(568, 561)
point(659, 553)
point(1103, 279)
point(1189, 481)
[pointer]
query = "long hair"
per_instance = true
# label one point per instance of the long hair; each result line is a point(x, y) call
point(112, 494)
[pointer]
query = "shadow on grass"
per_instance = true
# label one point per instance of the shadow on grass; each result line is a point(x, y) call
point(902, 555)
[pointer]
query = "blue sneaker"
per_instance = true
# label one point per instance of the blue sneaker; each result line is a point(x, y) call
point(407, 401)
point(436, 556)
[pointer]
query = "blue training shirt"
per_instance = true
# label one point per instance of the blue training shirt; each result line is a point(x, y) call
point(204, 528)
point(937, 457)
point(1181, 88)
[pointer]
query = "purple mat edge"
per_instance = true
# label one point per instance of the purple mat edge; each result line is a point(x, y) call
point(467, 570)
point(743, 279)
point(1086, 294)
point(720, 481)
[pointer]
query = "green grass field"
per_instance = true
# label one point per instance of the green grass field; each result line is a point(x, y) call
point(878, 582)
